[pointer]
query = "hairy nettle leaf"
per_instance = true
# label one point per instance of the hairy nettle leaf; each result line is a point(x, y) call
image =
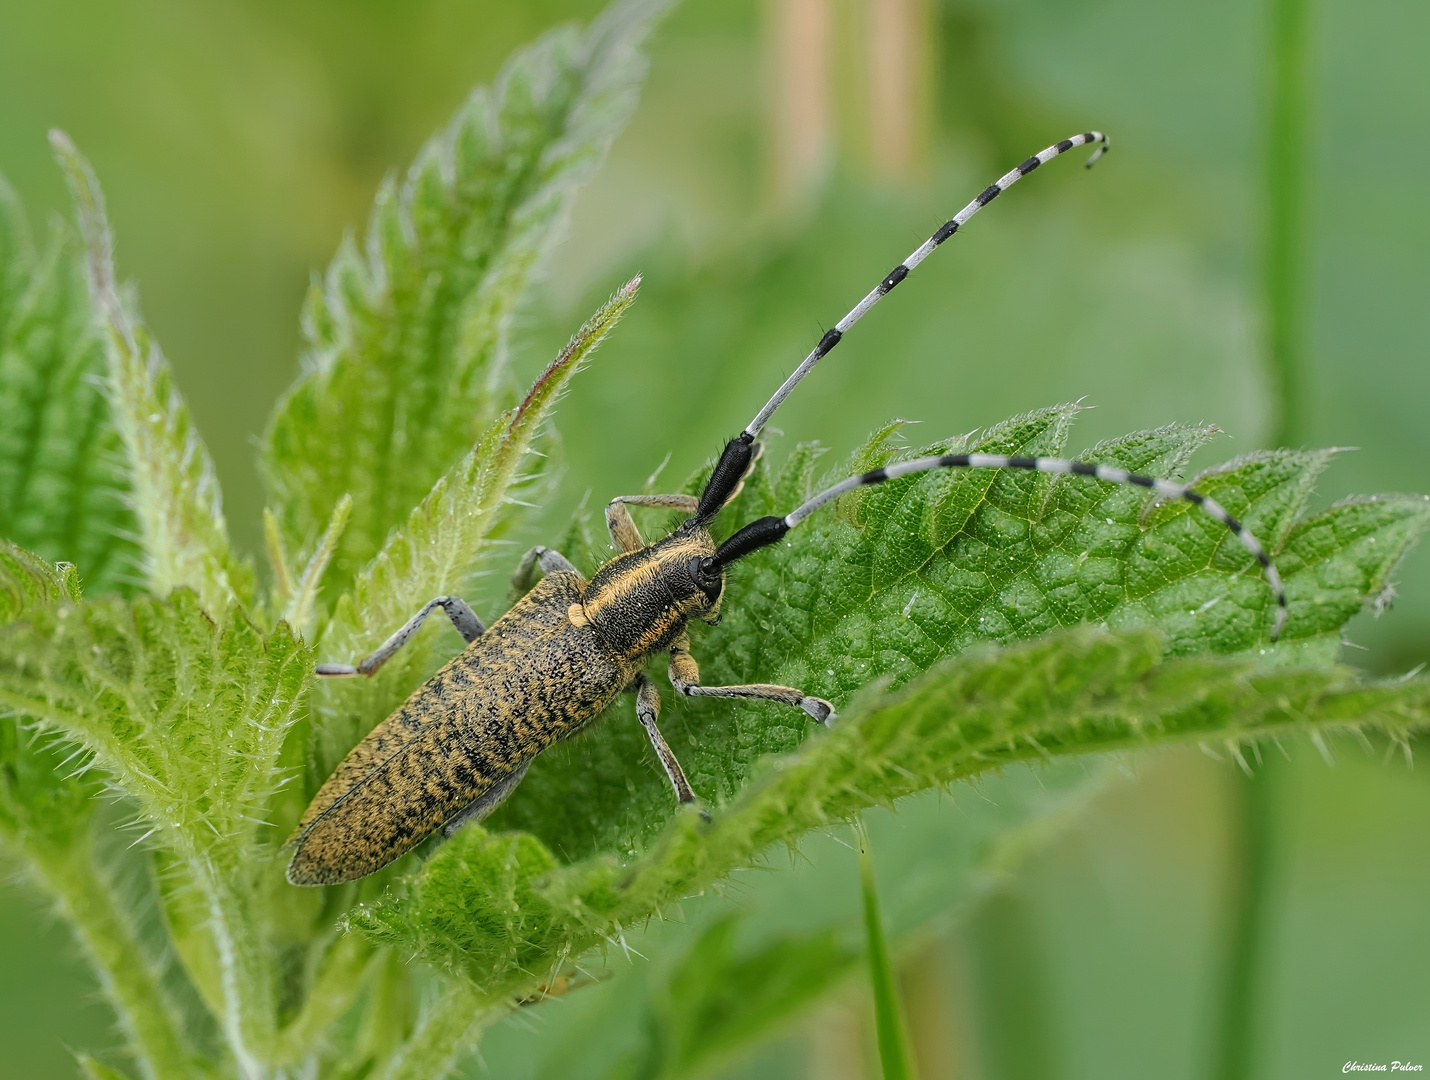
point(52, 814)
point(62, 484)
point(406, 338)
point(499, 907)
point(433, 551)
point(39, 802)
point(186, 717)
point(174, 491)
point(934, 565)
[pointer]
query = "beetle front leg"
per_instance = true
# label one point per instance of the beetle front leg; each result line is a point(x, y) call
point(647, 712)
point(463, 618)
point(622, 527)
point(685, 677)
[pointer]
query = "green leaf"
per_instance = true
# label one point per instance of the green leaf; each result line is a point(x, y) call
point(928, 572)
point(432, 554)
point(185, 717)
point(406, 339)
point(39, 806)
point(51, 818)
point(501, 910)
point(941, 562)
point(27, 582)
point(719, 997)
point(188, 720)
point(46, 806)
point(175, 493)
point(62, 493)
point(718, 981)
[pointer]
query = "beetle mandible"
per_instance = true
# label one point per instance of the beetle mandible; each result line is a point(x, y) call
point(548, 667)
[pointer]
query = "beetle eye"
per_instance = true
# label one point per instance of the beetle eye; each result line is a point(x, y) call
point(707, 576)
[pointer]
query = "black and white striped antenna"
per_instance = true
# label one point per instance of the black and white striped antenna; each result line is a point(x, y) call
point(740, 453)
point(832, 337)
point(770, 530)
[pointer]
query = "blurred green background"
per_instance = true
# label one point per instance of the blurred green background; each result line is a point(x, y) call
point(785, 155)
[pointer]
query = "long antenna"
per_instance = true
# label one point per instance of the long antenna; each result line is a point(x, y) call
point(898, 273)
point(770, 530)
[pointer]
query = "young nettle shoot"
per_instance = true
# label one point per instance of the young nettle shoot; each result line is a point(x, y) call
point(547, 668)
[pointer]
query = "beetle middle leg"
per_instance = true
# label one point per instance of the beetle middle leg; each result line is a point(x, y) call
point(622, 527)
point(463, 618)
point(685, 677)
point(647, 712)
point(549, 560)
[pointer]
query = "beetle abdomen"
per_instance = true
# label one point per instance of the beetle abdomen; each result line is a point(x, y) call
point(398, 805)
point(530, 680)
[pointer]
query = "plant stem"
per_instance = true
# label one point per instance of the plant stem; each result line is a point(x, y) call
point(447, 1030)
point(1284, 268)
point(888, 1017)
point(249, 1019)
point(1249, 902)
point(1284, 287)
point(334, 989)
point(127, 976)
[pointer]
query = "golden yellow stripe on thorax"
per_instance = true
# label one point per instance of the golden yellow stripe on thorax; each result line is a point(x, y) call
point(642, 575)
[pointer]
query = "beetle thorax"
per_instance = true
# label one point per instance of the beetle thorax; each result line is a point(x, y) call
point(641, 602)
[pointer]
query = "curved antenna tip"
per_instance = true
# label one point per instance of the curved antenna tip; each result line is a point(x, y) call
point(1280, 624)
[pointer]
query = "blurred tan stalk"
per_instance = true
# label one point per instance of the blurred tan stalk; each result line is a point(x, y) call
point(900, 44)
point(857, 79)
point(801, 113)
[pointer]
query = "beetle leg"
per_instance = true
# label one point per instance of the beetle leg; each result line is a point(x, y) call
point(647, 712)
point(685, 677)
point(550, 562)
point(463, 618)
point(623, 528)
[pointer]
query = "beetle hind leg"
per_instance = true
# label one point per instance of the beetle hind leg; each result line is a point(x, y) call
point(685, 677)
point(648, 712)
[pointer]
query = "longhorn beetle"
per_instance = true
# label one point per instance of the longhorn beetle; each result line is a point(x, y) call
point(548, 667)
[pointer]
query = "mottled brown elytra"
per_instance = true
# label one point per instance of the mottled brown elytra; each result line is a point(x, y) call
point(548, 667)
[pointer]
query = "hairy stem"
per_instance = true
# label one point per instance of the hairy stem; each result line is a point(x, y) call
point(247, 978)
point(447, 1030)
point(132, 985)
point(334, 990)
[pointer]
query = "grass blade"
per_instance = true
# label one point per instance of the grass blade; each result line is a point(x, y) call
point(888, 1010)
